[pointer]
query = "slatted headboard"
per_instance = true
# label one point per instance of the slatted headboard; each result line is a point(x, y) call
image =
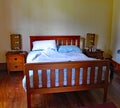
point(60, 40)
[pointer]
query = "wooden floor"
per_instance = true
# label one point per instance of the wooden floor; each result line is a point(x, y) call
point(12, 94)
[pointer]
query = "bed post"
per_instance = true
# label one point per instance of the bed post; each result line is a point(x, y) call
point(106, 82)
point(28, 100)
point(28, 87)
point(105, 93)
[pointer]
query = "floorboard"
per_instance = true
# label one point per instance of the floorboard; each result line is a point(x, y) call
point(12, 94)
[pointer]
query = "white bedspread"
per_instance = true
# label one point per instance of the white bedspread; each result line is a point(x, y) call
point(53, 56)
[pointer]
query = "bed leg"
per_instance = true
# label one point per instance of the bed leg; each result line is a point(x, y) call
point(28, 100)
point(105, 94)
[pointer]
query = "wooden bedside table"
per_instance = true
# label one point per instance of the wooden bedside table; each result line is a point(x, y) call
point(98, 54)
point(15, 60)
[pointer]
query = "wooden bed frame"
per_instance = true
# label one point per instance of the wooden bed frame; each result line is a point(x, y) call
point(75, 40)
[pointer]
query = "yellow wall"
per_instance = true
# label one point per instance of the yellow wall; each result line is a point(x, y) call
point(115, 44)
point(55, 17)
point(4, 38)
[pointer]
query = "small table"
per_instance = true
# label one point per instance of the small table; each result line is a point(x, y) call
point(98, 54)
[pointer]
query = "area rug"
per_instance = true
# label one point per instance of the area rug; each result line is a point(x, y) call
point(105, 105)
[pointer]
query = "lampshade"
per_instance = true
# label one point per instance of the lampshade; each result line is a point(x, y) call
point(16, 42)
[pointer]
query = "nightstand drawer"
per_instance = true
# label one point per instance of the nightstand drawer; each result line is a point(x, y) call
point(15, 67)
point(15, 58)
point(98, 54)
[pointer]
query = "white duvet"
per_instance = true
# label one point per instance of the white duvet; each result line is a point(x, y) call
point(53, 56)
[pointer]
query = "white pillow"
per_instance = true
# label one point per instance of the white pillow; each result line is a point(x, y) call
point(44, 44)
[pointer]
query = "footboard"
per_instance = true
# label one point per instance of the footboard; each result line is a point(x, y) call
point(56, 77)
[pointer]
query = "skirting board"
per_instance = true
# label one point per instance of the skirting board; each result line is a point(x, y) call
point(3, 66)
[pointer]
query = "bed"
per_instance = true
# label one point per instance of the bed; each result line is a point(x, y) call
point(61, 75)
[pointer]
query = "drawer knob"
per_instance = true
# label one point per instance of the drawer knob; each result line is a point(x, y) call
point(15, 58)
point(16, 66)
